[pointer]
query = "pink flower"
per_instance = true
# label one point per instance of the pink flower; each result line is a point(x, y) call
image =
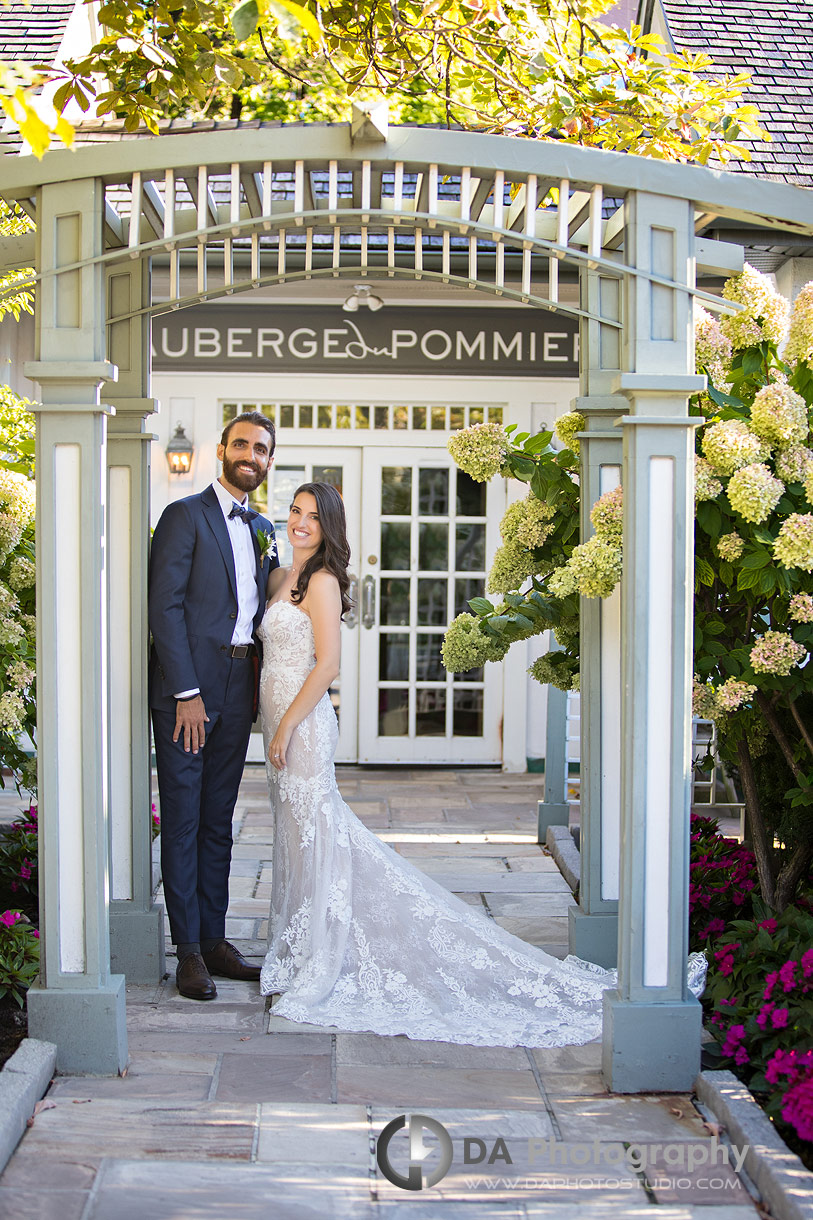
point(797, 1107)
point(787, 974)
point(25, 870)
point(793, 1064)
point(807, 963)
point(763, 1014)
point(35, 934)
point(735, 1035)
point(726, 966)
point(768, 924)
point(770, 983)
point(9, 918)
point(779, 1018)
point(741, 1056)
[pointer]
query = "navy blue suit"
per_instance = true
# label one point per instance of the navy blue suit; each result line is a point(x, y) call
point(192, 613)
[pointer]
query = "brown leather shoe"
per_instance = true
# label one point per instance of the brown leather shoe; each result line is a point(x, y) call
point(193, 979)
point(224, 959)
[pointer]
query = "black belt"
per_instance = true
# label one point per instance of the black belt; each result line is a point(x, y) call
point(242, 651)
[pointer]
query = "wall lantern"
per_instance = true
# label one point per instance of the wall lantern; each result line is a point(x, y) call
point(362, 294)
point(179, 452)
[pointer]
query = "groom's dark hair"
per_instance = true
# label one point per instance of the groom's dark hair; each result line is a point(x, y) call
point(251, 417)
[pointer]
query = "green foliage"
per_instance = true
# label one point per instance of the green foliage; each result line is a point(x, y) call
point(13, 223)
point(19, 864)
point(548, 70)
point(19, 955)
point(17, 433)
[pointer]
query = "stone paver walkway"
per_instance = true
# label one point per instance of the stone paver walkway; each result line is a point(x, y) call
point(229, 1112)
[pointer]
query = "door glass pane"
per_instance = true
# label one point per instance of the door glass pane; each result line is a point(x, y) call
point(469, 675)
point(430, 713)
point(395, 603)
point(396, 491)
point(471, 496)
point(395, 545)
point(400, 417)
point(428, 665)
point(470, 547)
point(433, 547)
point(382, 417)
point(467, 713)
point(432, 602)
point(433, 493)
point(393, 657)
point(286, 415)
point(362, 417)
point(306, 415)
point(343, 416)
point(419, 417)
point(393, 713)
point(476, 415)
point(464, 591)
point(328, 474)
point(324, 415)
point(438, 419)
point(457, 417)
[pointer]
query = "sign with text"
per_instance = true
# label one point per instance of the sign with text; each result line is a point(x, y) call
point(321, 339)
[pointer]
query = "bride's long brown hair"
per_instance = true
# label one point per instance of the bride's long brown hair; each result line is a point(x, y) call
point(334, 551)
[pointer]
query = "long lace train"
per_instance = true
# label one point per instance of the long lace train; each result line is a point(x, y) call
point(360, 939)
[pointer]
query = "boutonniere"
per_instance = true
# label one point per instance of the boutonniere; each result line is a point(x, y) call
point(267, 545)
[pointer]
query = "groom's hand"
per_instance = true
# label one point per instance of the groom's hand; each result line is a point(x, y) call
point(190, 717)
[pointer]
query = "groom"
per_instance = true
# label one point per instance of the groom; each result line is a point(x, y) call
point(207, 591)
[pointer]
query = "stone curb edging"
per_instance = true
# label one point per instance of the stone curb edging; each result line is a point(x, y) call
point(23, 1081)
point(781, 1178)
point(560, 844)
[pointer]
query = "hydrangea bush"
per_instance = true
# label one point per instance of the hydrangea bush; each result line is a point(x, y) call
point(17, 589)
point(753, 559)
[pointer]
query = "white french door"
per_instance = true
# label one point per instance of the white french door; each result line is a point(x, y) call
point(427, 530)
point(340, 466)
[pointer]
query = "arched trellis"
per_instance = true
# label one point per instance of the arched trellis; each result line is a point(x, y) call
point(267, 205)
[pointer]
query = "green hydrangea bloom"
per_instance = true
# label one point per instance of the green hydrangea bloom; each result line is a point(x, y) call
point(480, 450)
point(466, 646)
point(754, 493)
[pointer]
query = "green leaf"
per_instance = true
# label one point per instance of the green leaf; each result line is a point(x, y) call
point(521, 467)
point(751, 361)
point(704, 572)
point(747, 579)
point(756, 559)
point(481, 605)
point(537, 443)
point(244, 19)
point(710, 518)
point(723, 400)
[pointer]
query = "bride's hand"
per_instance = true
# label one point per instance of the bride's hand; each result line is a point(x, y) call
point(279, 746)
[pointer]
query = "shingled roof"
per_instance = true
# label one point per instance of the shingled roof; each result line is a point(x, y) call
point(773, 40)
point(33, 29)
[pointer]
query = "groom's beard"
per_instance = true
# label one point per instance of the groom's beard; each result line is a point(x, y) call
point(245, 480)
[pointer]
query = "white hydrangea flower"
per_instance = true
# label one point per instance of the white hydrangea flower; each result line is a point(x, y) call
point(794, 543)
point(800, 332)
point(480, 450)
point(731, 444)
point(754, 493)
point(730, 547)
point(779, 415)
point(761, 300)
point(706, 484)
point(776, 652)
point(793, 463)
point(566, 427)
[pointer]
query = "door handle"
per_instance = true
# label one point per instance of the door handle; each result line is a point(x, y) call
point(352, 617)
point(368, 601)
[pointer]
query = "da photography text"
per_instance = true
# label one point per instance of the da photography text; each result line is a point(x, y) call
point(428, 1163)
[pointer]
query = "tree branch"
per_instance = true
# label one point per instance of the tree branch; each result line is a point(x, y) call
point(769, 712)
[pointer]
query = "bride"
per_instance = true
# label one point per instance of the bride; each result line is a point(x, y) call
point(359, 938)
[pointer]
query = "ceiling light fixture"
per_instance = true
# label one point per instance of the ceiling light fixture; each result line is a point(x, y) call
point(362, 294)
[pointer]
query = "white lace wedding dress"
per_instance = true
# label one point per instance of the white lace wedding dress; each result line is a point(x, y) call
point(360, 939)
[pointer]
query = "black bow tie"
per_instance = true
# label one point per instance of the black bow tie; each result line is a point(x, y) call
point(246, 514)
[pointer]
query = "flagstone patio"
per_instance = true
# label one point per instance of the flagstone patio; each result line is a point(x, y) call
point(228, 1111)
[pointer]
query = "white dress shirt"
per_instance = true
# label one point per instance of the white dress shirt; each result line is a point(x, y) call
point(245, 570)
point(245, 565)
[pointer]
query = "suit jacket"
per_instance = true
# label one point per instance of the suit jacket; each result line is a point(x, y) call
point(193, 599)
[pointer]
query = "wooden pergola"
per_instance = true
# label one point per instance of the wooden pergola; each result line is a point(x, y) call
point(239, 209)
